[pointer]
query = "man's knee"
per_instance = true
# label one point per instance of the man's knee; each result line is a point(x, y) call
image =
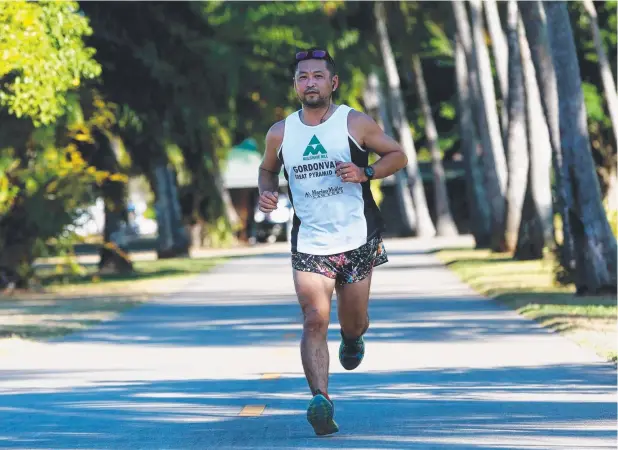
point(316, 319)
point(355, 326)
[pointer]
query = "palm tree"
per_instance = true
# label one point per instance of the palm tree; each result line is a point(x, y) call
point(594, 242)
point(537, 228)
point(425, 226)
point(500, 52)
point(376, 104)
point(517, 143)
point(445, 225)
point(607, 78)
point(494, 160)
point(476, 194)
point(533, 17)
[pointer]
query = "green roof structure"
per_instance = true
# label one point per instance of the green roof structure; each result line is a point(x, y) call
point(240, 170)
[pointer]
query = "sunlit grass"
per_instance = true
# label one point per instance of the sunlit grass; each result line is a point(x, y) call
point(70, 303)
point(144, 272)
point(529, 288)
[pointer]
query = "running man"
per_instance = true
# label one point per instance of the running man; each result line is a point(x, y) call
point(336, 233)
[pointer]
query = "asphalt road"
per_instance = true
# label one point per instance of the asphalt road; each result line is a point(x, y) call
point(217, 366)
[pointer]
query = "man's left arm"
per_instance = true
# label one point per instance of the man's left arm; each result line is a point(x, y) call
point(392, 156)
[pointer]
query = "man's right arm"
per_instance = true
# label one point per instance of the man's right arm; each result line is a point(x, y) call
point(268, 178)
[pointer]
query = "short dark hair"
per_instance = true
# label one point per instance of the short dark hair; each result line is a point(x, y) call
point(330, 62)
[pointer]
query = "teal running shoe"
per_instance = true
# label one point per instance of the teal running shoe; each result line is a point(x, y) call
point(351, 352)
point(320, 415)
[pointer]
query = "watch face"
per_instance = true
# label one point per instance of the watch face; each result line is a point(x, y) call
point(369, 172)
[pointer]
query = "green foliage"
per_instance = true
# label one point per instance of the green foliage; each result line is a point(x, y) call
point(48, 117)
point(608, 24)
point(43, 57)
point(42, 198)
point(183, 82)
point(594, 104)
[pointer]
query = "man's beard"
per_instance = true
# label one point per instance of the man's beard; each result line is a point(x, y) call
point(315, 102)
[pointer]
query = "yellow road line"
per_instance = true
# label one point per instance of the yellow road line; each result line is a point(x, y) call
point(271, 376)
point(252, 410)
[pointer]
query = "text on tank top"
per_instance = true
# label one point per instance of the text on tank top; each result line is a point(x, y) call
point(330, 216)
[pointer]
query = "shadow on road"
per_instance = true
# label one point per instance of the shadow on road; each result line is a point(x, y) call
point(244, 320)
point(516, 407)
point(551, 406)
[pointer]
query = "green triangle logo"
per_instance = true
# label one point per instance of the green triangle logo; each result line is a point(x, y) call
point(314, 147)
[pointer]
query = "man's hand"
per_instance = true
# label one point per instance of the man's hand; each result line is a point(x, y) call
point(350, 173)
point(268, 201)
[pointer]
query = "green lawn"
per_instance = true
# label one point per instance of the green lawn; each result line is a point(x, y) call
point(528, 287)
point(58, 279)
point(69, 303)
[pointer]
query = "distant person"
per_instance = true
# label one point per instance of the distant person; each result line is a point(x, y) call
point(336, 233)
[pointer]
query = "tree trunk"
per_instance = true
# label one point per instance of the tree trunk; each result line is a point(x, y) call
point(500, 52)
point(612, 190)
point(445, 226)
point(105, 155)
point(606, 72)
point(594, 243)
point(172, 240)
point(530, 238)
point(229, 211)
point(477, 197)
point(539, 147)
point(17, 243)
point(517, 144)
point(425, 226)
point(114, 256)
point(376, 102)
point(533, 17)
point(494, 160)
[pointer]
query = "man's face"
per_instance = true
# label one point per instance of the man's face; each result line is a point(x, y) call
point(313, 83)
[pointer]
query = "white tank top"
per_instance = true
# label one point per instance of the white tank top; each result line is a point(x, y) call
point(330, 216)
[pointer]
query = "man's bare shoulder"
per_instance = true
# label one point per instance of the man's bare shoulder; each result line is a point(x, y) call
point(274, 136)
point(359, 118)
point(359, 124)
point(276, 131)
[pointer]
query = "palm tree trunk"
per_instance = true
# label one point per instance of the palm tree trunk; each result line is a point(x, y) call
point(595, 245)
point(500, 52)
point(606, 73)
point(539, 233)
point(476, 194)
point(494, 160)
point(376, 102)
point(533, 17)
point(517, 144)
point(539, 146)
point(445, 225)
point(425, 226)
point(612, 190)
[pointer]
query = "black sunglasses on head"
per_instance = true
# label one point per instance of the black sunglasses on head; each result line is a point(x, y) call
point(318, 54)
point(311, 54)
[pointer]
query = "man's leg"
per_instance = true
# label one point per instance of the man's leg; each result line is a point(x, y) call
point(352, 310)
point(314, 293)
point(352, 307)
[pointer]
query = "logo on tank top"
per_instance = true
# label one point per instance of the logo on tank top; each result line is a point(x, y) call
point(314, 150)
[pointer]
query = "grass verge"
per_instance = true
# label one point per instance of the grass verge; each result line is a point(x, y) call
point(528, 287)
point(68, 303)
point(146, 275)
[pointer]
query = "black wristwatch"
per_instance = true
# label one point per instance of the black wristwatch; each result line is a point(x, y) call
point(369, 172)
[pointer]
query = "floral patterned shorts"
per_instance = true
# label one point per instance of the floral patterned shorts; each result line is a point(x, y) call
point(347, 267)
